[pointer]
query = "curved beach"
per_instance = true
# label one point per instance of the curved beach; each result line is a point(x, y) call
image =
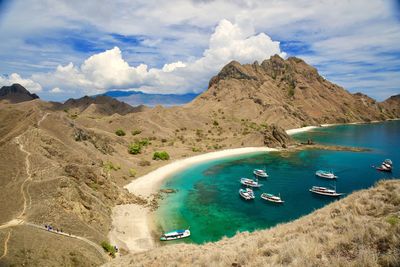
point(131, 226)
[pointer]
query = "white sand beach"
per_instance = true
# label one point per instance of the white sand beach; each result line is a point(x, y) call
point(300, 130)
point(131, 223)
point(149, 183)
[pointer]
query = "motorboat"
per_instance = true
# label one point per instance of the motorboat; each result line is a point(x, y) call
point(260, 173)
point(250, 182)
point(247, 193)
point(174, 235)
point(325, 174)
point(272, 198)
point(386, 166)
point(325, 191)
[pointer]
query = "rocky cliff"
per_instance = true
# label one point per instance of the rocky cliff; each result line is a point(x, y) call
point(16, 93)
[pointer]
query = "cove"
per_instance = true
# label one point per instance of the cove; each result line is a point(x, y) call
point(207, 198)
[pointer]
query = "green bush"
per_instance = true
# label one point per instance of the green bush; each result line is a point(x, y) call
point(120, 132)
point(144, 142)
point(136, 132)
point(108, 166)
point(132, 172)
point(134, 148)
point(215, 123)
point(108, 248)
point(162, 155)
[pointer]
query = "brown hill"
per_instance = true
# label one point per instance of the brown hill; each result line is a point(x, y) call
point(97, 105)
point(392, 105)
point(289, 93)
point(16, 93)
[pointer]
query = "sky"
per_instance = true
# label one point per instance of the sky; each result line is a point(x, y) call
point(63, 49)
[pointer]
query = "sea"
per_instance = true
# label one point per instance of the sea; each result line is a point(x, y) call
point(208, 203)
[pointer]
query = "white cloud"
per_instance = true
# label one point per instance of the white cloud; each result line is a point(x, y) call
point(56, 90)
point(172, 66)
point(32, 86)
point(109, 69)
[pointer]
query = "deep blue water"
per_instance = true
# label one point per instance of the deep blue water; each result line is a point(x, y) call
point(208, 201)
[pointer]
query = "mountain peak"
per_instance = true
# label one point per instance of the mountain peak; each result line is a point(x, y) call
point(16, 93)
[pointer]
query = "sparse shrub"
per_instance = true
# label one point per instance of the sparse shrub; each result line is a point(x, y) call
point(132, 172)
point(215, 123)
point(162, 155)
point(108, 248)
point(196, 149)
point(120, 132)
point(163, 140)
point(134, 148)
point(136, 132)
point(109, 166)
point(393, 220)
point(144, 142)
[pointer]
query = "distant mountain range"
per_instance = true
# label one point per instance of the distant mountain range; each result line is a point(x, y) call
point(136, 98)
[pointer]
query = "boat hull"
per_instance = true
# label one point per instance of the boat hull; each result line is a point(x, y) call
point(175, 235)
point(326, 193)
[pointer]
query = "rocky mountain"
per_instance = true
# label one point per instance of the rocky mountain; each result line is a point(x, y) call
point(16, 93)
point(289, 93)
point(392, 105)
point(97, 105)
point(136, 98)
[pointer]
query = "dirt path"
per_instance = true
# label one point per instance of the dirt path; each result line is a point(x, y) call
point(27, 200)
point(6, 245)
point(25, 195)
point(87, 241)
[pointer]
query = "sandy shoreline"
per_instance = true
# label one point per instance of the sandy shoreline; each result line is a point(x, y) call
point(308, 128)
point(131, 225)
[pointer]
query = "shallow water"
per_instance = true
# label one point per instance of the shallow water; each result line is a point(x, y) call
point(208, 201)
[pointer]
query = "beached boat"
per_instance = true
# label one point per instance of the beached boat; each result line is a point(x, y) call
point(260, 173)
point(176, 234)
point(325, 174)
point(272, 198)
point(247, 193)
point(386, 166)
point(250, 182)
point(325, 191)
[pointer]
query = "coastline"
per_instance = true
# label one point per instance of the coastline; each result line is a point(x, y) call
point(132, 225)
point(308, 128)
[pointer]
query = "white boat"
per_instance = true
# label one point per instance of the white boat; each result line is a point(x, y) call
point(176, 234)
point(325, 191)
point(250, 182)
point(386, 166)
point(247, 193)
point(325, 174)
point(272, 198)
point(260, 173)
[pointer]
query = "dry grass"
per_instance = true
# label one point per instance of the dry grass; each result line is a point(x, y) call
point(361, 230)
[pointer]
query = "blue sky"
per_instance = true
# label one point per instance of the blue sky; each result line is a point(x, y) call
point(62, 49)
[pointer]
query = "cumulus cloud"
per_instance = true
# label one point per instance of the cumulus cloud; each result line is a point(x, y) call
point(56, 90)
point(109, 69)
point(16, 78)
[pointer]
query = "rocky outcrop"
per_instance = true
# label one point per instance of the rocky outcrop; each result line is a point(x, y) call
point(16, 93)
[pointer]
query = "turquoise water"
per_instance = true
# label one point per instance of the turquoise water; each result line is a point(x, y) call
point(208, 201)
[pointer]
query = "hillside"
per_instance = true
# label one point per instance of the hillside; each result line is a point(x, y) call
point(63, 163)
point(289, 93)
point(361, 230)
